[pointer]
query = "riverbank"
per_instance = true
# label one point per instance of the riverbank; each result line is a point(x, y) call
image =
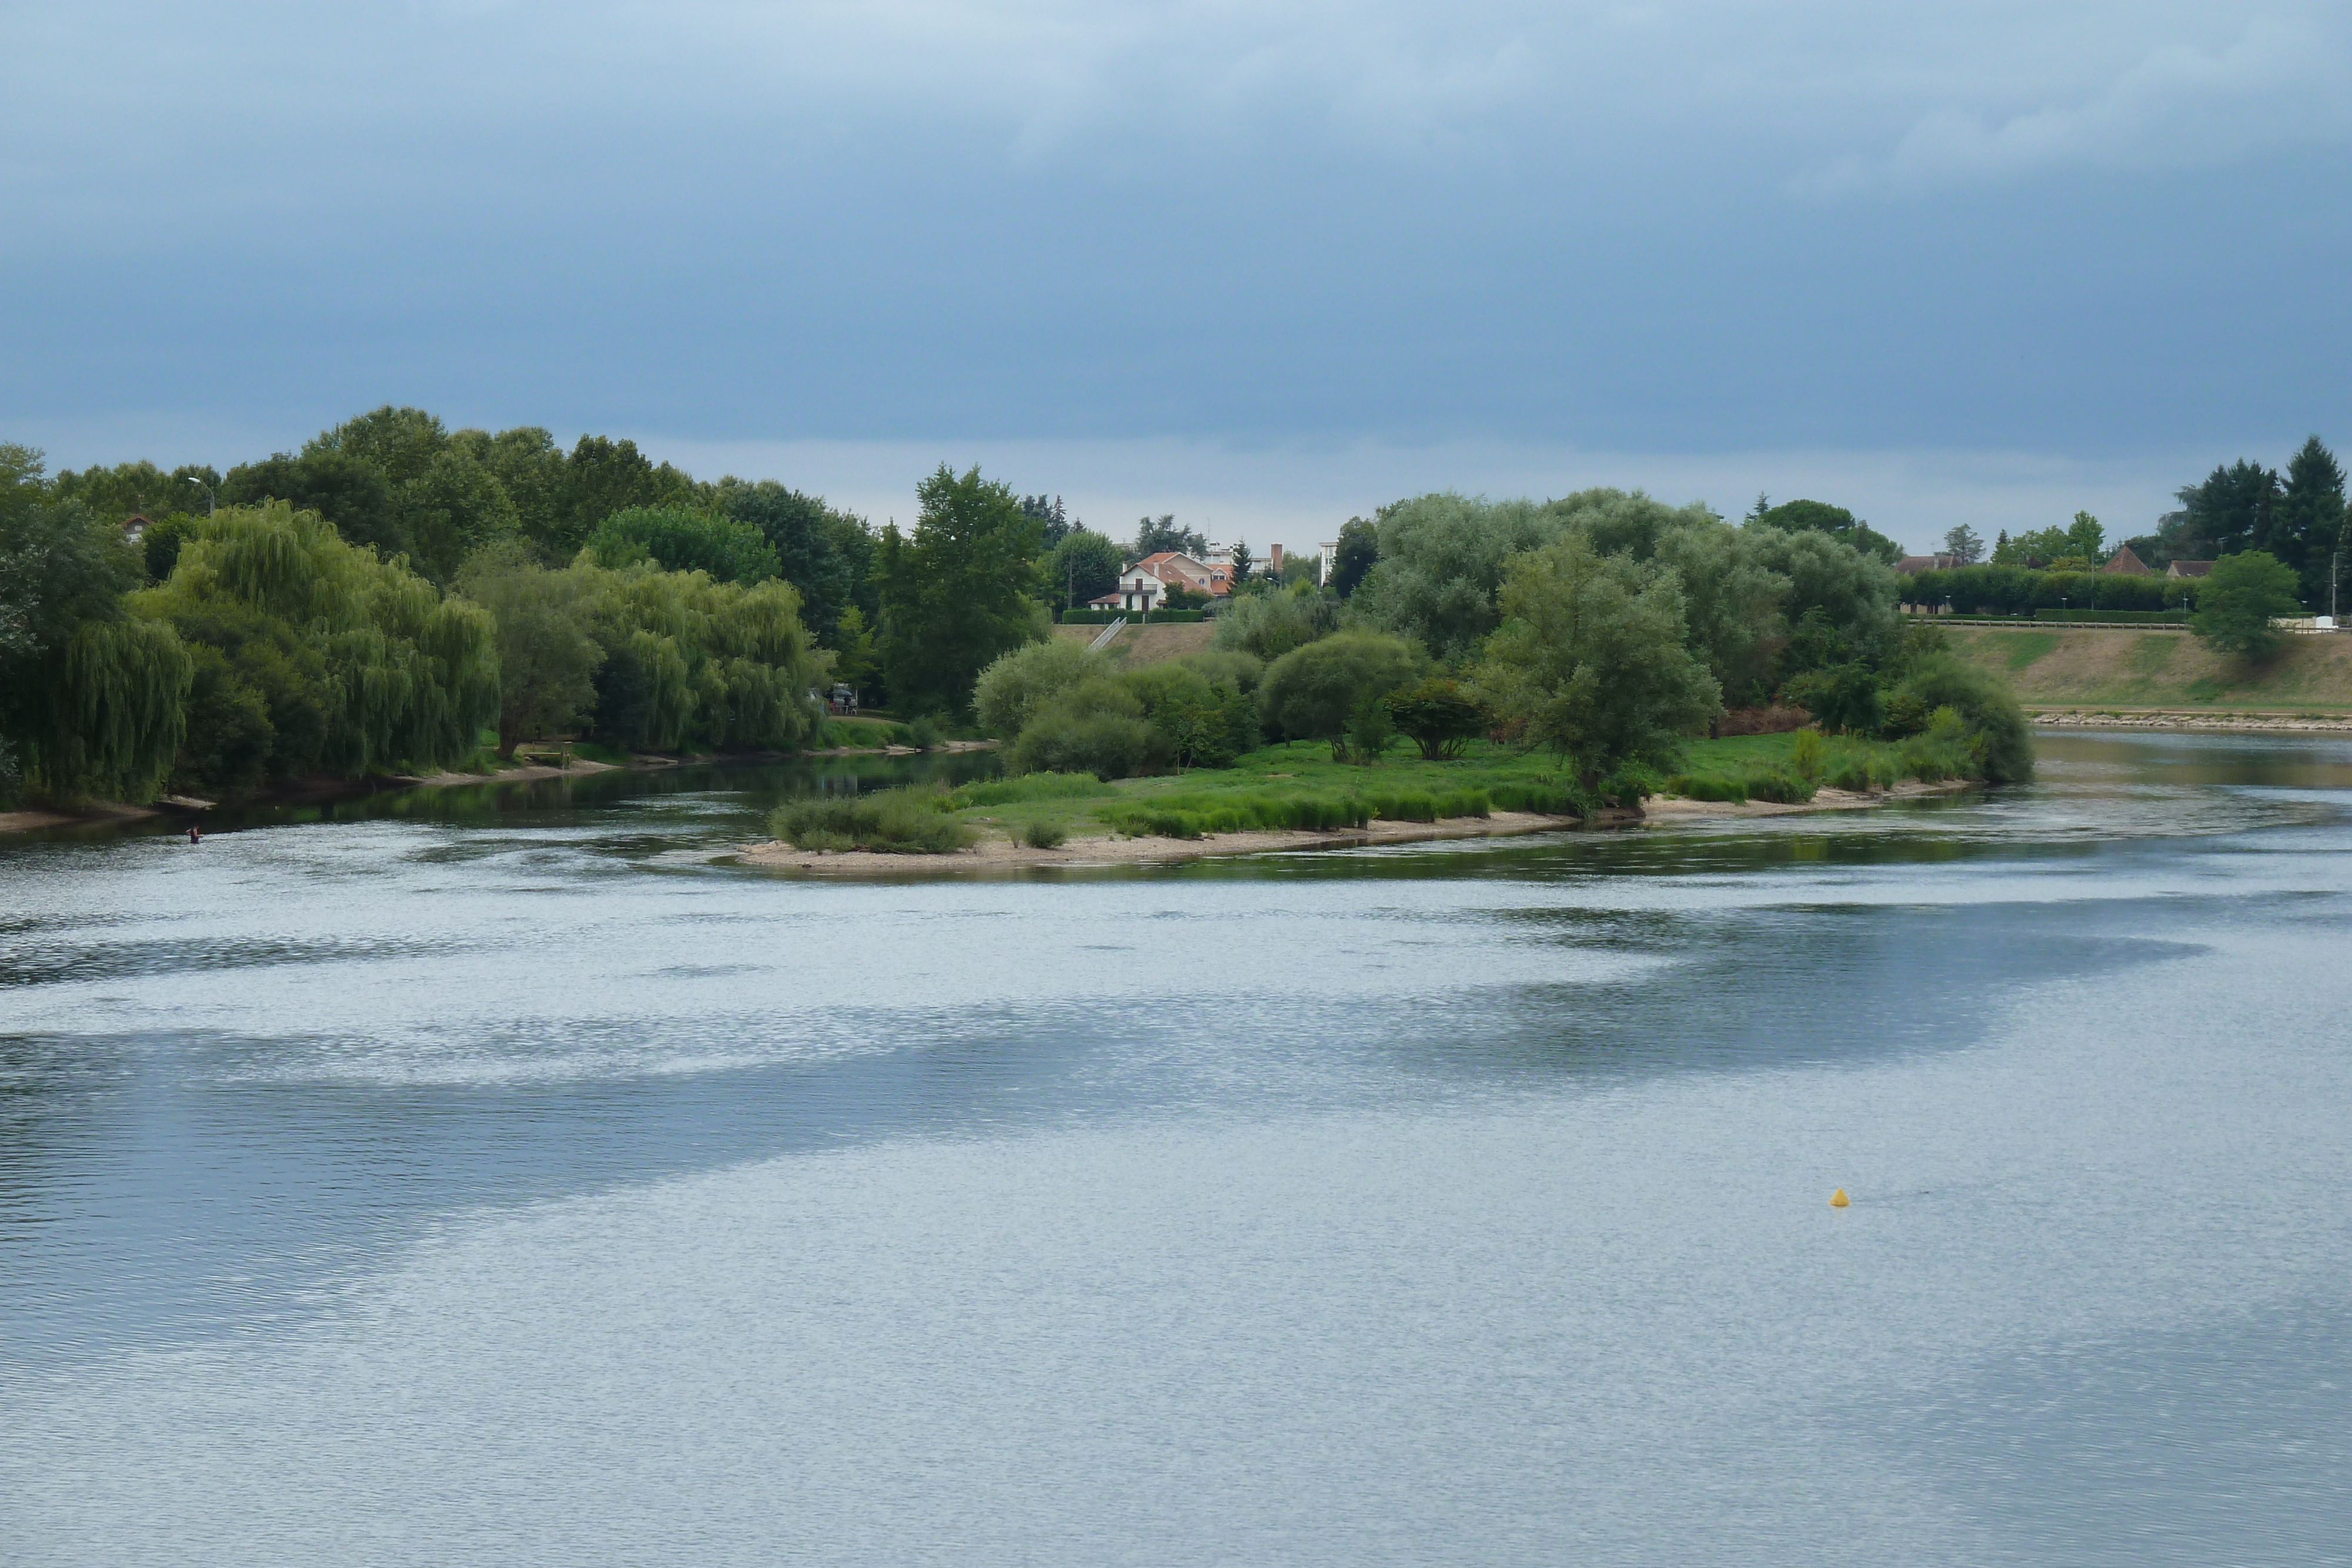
point(2158, 718)
point(36, 819)
point(1001, 850)
point(2103, 669)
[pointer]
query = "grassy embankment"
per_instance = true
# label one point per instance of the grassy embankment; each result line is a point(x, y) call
point(2098, 669)
point(1138, 645)
point(1298, 786)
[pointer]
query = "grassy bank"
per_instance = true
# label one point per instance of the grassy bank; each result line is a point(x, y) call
point(2099, 667)
point(1298, 786)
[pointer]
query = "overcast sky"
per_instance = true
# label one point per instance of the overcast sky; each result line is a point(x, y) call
point(1263, 263)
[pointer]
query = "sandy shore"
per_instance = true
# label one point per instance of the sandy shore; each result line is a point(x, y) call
point(2174, 718)
point(998, 853)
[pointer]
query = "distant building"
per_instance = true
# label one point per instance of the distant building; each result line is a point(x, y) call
point(2125, 562)
point(134, 527)
point(1146, 584)
point(2190, 569)
point(1912, 565)
point(1330, 562)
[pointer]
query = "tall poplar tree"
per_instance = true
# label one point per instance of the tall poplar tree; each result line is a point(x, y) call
point(957, 592)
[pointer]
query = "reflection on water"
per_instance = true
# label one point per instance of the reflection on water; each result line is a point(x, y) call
point(502, 1172)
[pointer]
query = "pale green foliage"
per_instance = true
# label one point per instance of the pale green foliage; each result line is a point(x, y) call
point(1311, 692)
point(395, 674)
point(687, 660)
point(90, 698)
point(1018, 682)
point(1443, 556)
point(1268, 625)
point(547, 661)
point(1732, 602)
point(2236, 601)
point(1096, 727)
point(1591, 658)
point(1855, 591)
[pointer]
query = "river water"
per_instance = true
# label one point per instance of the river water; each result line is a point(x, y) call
point(505, 1176)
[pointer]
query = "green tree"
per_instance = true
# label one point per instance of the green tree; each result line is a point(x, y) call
point(1153, 535)
point(2236, 601)
point(1733, 601)
point(2230, 511)
point(135, 489)
point(1964, 545)
point(1592, 656)
point(2086, 540)
point(957, 592)
point(677, 539)
point(1440, 716)
point(810, 542)
point(361, 665)
point(1268, 625)
point(1201, 721)
point(603, 477)
point(530, 468)
point(1310, 693)
point(547, 661)
point(1441, 558)
point(1359, 547)
point(856, 662)
point(453, 508)
point(1835, 522)
point(91, 696)
point(2309, 523)
point(348, 490)
point(398, 442)
point(692, 662)
point(1082, 568)
point(1018, 682)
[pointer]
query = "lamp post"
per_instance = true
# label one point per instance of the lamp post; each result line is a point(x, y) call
point(2334, 562)
point(212, 502)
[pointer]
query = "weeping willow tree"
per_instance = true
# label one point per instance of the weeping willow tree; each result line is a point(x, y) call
point(91, 695)
point(691, 663)
point(315, 656)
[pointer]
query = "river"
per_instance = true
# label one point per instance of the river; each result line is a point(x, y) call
point(505, 1176)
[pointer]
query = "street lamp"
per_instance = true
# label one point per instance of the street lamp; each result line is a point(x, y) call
point(212, 502)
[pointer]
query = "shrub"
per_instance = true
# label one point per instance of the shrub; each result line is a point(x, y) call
point(1369, 729)
point(1806, 754)
point(923, 734)
point(1199, 722)
point(1096, 727)
point(1310, 693)
point(889, 821)
point(1998, 742)
point(1268, 625)
point(2237, 598)
point(1226, 667)
point(1441, 716)
point(1042, 833)
point(1014, 687)
point(677, 539)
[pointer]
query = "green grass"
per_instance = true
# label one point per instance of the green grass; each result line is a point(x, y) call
point(2019, 649)
point(1298, 786)
point(913, 821)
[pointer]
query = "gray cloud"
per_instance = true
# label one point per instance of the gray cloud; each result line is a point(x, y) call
point(1662, 227)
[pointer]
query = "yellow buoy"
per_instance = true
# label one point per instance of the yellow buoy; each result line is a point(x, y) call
point(1838, 1199)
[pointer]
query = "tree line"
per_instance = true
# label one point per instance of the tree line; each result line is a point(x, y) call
point(1605, 627)
point(377, 600)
